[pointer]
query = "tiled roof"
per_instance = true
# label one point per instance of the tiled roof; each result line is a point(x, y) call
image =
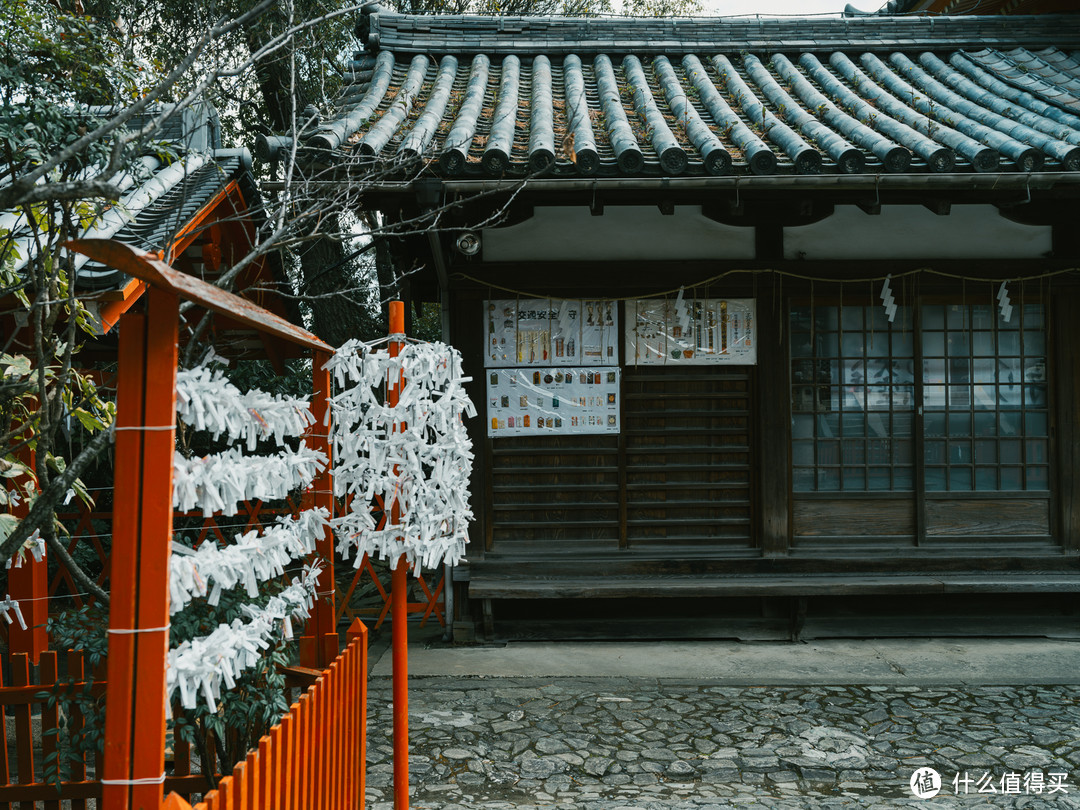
point(471, 34)
point(489, 96)
point(154, 226)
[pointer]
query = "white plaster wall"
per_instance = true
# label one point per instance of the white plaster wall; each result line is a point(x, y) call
point(621, 233)
point(914, 232)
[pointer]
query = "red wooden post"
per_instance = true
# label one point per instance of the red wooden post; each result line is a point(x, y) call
point(358, 681)
point(50, 718)
point(319, 646)
point(142, 530)
point(399, 602)
point(29, 586)
point(76, 668)
point(24, 730)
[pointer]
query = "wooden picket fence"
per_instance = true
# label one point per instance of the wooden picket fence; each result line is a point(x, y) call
point(18, 700)
point(22, 770)
point(314, 759)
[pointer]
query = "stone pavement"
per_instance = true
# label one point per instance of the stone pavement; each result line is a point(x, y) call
point(617, 742)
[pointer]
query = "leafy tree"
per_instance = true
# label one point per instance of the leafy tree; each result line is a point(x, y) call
point(58, 167)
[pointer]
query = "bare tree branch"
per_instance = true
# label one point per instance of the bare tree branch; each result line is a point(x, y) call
point(80, 576)
point(72, 190)
point(41, 513)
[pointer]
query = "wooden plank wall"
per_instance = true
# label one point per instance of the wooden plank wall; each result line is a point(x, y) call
point(678, 476)
point(688, 453)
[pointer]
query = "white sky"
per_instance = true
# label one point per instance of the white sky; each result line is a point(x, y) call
point(793, 7)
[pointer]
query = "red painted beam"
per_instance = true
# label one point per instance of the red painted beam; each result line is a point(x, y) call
point(148, 267)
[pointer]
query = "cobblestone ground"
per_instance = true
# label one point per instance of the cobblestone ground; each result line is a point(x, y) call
point(643, 744)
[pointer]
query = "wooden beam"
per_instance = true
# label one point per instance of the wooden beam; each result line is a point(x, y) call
point(148, 267)
point(109, 312)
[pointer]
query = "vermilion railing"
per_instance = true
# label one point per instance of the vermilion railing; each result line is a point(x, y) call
point(314, 759)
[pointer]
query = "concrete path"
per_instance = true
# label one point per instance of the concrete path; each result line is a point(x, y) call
point(727, 725)
point(888, 661)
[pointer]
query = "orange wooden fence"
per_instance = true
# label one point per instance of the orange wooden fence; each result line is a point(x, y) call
point(23, 781)
point(314, 759)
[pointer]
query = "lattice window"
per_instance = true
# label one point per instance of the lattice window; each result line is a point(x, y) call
point(982, 390)
point(853, 396)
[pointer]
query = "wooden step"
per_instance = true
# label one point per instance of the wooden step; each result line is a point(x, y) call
point(742, 585)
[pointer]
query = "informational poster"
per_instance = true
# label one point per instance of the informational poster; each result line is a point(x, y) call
point(684, 331)
point(550, 332)
point(552, 400)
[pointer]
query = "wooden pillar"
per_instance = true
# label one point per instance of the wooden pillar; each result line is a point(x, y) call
point(29, 586)
point(1062, 332)
point(399, 601)
point(773, 409)
point(319, 645)
point(142, 532)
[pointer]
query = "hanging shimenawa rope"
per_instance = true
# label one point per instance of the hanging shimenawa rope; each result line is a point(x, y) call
point(423, 468)
point(775, 273)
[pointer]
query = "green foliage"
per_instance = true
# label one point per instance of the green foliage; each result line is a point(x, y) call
point(251, 374)
point(51, 63)
point(243, 714)
point(248, 710)
point(61, 76)
point(81, 629)
point(428, 324)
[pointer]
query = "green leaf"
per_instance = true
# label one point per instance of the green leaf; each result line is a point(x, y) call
point(16, 365)
point(92, 422)
point(8, 523)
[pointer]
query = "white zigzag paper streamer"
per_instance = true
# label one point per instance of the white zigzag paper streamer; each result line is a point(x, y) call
point(202, 665)
point(1005, 302)
point(252, 559)
point(433, 456)
point(34, 545)
point(219, 483)
point(206, 400)
point(888, 300)
point(9, 606)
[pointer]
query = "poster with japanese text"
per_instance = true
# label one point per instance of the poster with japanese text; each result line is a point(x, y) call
point(552, 401)
point(550, 332)
point(685, 331)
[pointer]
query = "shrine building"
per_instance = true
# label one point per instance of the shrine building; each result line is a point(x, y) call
point(758, 311)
